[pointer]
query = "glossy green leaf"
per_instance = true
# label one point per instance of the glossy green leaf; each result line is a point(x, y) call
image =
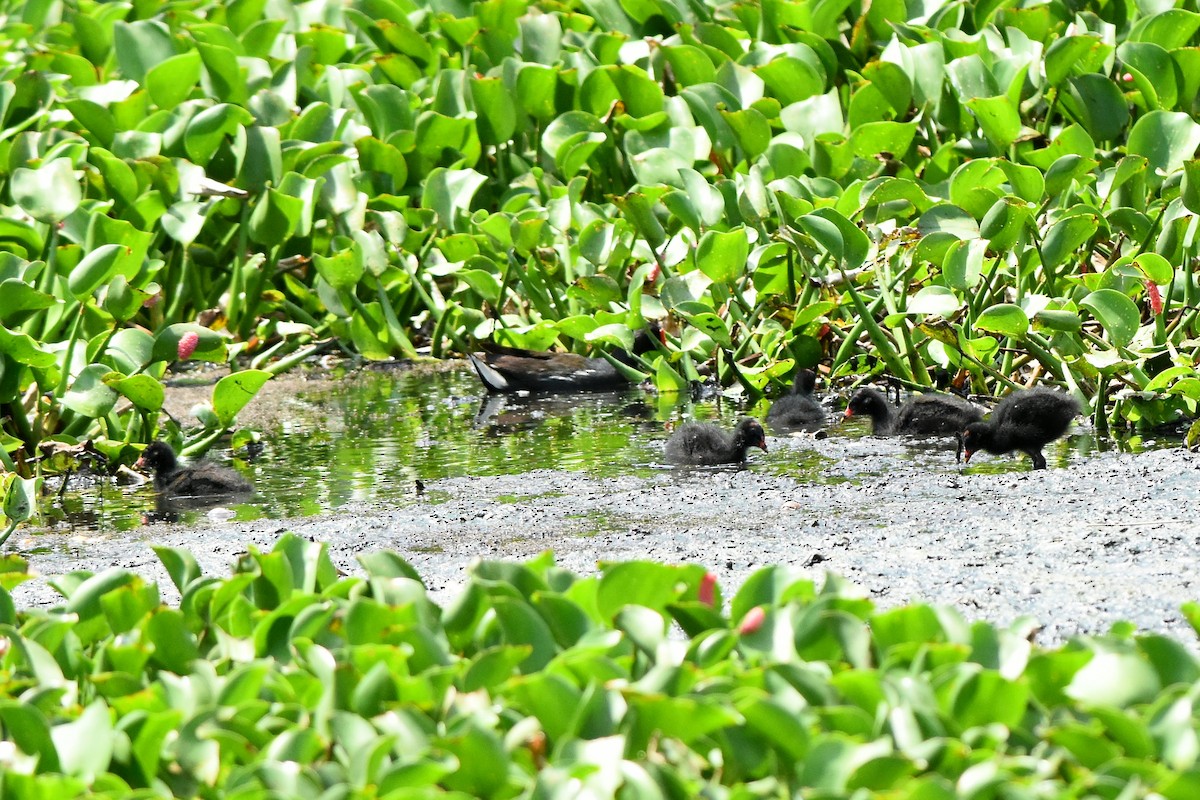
point(233, 392)
point(1166, 138)
point(212, 126)
point(49, 193)
point(171, 81)
point(722, 256)
point(141, 390)
point(1003, 318)
point(89, 394)
point(1117, 313)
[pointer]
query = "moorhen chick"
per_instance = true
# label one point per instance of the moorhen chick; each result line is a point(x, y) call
point(1026, 420)
point(702, 444)
point(799, 409)
point(202, 479)
point(512, 369)
point(929, 414)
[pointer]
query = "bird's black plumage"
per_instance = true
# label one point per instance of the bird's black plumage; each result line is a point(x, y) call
point(1027, 420)
point(511, 369)
point(704, 444)
point(929, 414)
point(799, 408)
point(201, 479)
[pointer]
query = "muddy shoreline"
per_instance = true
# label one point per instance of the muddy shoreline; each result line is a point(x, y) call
point(1110, 537)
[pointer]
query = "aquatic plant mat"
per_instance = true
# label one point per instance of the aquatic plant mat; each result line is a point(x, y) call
point(291, 679)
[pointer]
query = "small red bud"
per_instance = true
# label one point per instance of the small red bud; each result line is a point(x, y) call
point(1156, 303)
point(707, 584)
point(753, 620)
point(187, 345)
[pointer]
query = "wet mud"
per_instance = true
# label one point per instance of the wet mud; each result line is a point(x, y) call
point(1097, 538)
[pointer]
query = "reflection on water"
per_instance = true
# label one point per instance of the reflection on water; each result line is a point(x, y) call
point(377, 435)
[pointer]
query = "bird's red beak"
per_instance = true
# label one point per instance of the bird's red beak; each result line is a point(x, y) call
point(763, 445)
point(967, 456)
point(849, 413)
point(140, 463)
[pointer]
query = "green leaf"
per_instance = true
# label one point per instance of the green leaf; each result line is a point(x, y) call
point(17, 296)
point(89, 395)
point(1114, 679)
point(963, 265)
point(1003, 318)
point(1066, 236)
point(712, 325)
point(121, 299)
point(1117, 313)
point(20, 497)
point(722, 255)
point(934, 300)
point(1005, 223)
point(275, 219)
point(643, 583)
point(49, 193)
point(1096, 103)
point(143, 391)
point(233, 392)
point(180, 564)
point(1166, 138)
point(449, 193)
point(1074, 55)
point(170, 82)
point(872, 138)
point(998, 118)
point(209, 129)
point(30, 732)
point(24, 350)
point(96, 269)
point(343, 270)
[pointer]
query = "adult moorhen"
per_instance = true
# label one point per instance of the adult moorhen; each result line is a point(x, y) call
point(703, 444)
point(799, 409)
point(511, 369)
point(202, 479)
point(1026, 420)
point(929, 414)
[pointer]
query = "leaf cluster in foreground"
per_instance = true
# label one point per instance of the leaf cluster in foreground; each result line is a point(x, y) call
point(289, 679)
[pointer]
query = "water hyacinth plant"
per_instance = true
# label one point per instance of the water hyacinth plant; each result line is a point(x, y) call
point(1008, 193)
point(289, 679)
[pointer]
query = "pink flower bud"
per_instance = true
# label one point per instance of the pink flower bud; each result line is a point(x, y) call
point(753, 620)
point(707, 584)
point(1127, 77)
point(1156, 304)
point(187, 345)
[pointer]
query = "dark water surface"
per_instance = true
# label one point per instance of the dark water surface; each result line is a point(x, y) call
point(374, 436)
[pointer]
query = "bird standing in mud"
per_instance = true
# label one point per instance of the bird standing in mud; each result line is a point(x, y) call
point(1026, 420)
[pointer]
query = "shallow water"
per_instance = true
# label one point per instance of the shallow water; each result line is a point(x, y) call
point(375, 436)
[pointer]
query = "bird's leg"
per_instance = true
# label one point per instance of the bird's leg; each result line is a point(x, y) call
point(959, 451)
point(1039, 460)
